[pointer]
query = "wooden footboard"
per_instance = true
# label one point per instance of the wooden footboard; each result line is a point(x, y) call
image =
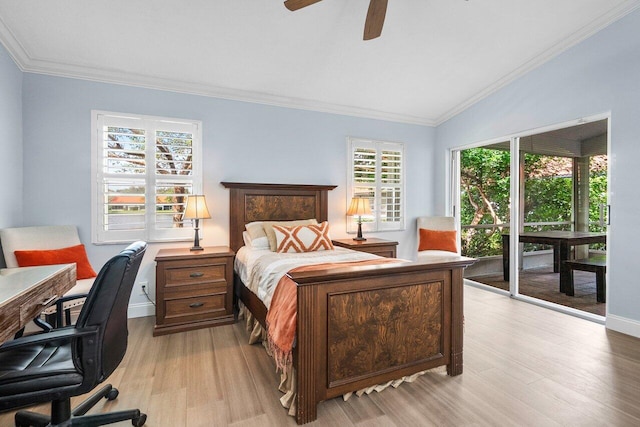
point(362, 326)
point(359, 327)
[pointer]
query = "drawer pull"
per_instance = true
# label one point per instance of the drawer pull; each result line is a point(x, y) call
point(196, 304)
point(196, 275)
point(50, 300)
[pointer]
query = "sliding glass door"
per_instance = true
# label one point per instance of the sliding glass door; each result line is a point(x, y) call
point(529, 204)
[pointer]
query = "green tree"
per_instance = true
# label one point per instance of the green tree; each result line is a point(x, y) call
point(485, 181)
point(485, 189)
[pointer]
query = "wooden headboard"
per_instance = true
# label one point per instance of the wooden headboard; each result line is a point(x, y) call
point(273, 202)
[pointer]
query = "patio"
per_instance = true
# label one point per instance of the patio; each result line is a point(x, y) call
point(542, 283)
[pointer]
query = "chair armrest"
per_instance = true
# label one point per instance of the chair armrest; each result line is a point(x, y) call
point(66, 334)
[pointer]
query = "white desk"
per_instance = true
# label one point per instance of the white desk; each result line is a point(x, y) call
point(26, 291)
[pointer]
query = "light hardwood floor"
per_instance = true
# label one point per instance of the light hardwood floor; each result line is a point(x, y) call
point(523, 366)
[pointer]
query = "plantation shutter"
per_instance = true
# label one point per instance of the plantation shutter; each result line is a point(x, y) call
point(376, 172)
point(391, 215)
point(145, 168)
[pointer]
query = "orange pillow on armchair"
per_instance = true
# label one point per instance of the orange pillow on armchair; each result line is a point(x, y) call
point(72, 254)
point(436, 240)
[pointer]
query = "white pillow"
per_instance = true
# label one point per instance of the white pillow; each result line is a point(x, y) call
point(255, 229)
point(257, 243)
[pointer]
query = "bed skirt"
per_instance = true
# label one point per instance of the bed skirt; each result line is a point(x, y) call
point(257, 334)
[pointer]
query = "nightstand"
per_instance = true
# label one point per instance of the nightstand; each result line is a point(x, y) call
point(385, 248)
point(194, 289)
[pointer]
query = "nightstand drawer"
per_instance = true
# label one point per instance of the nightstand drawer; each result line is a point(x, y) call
point(196, 308)
point(196, 290)
point(383, 252)
point(202, 289)
point(181, 276)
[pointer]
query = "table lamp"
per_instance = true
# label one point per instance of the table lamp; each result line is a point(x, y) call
point(359, 206)
point(196, 209)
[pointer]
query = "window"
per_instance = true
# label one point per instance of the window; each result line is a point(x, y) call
point(144, 169)
point(376, 172)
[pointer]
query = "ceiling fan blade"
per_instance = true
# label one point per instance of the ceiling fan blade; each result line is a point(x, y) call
point(298, 4)
point(375, 19)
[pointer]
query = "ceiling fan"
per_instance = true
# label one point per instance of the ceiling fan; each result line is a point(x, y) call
point(375, 15)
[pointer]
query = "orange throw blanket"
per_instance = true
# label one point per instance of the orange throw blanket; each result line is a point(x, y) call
point(282, 315)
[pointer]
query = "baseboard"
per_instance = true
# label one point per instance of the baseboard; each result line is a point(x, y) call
point(623, 325)
point(142, 309)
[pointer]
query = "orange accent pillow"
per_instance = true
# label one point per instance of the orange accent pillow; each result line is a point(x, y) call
point(68, 255)
point(436, 240)
point(303, 238)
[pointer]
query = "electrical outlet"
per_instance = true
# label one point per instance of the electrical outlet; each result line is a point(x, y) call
point(144, 286)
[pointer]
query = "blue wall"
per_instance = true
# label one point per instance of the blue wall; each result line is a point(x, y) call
point(600, 75)
point(10, 141)
point(242, 142)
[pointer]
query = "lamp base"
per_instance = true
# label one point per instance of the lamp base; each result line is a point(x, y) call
point(359, 237)
point(196, 240)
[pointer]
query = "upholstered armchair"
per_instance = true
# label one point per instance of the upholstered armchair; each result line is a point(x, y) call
point(438, 238)
point(55, 244)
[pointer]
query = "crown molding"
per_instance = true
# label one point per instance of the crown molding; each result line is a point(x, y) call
point(204, 89)
point(17, 52)
point(28, 64)
point(574, 39)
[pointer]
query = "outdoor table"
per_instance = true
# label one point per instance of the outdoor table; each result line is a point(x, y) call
point(562, 241)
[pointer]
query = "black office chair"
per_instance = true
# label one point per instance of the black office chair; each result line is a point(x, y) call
point(54, 366)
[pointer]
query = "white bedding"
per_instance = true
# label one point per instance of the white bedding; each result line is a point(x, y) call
point(261, 269)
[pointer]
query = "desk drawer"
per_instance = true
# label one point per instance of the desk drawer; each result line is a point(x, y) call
point(35, 304)
point(196, 308)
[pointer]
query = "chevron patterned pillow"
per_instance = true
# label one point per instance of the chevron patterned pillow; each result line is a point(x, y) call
point(303, 238)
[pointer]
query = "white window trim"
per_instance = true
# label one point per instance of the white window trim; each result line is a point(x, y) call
point(375, 225)
point(149, 234)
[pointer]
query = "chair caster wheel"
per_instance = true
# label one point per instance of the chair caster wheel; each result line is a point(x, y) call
point(139, 421)
point(113, 394)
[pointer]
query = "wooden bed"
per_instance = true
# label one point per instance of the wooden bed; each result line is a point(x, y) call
point(357, 326)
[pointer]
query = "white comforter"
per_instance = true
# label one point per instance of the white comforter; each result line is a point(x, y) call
point(261, 269)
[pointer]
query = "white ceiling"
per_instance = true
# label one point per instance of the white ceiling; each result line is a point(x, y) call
point(434, 58)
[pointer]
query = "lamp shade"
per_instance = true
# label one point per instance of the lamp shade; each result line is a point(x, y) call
point(360, 206)
point(196, 208)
